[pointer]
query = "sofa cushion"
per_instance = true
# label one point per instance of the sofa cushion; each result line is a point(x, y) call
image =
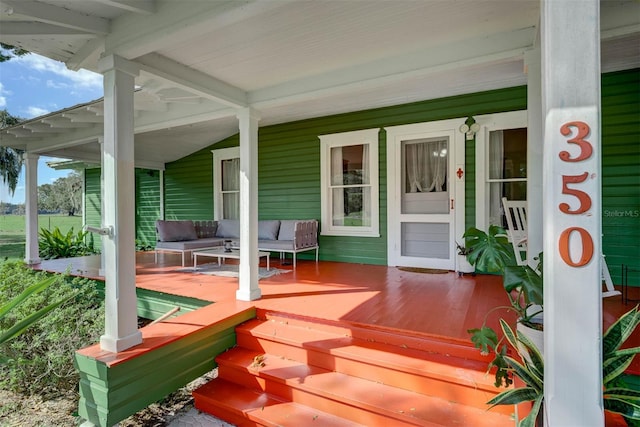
point(275, 245)
point(268, 229)
point(287, 229)
point(228, 228)
point(175, 231)
point(188, 245)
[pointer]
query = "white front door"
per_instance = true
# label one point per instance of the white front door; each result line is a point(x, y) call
point(425, 205)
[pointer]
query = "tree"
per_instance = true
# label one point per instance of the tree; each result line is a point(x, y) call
point(65, 194)
point(9, 52)
point(10, 158)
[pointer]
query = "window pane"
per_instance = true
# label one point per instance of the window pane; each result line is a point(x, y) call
point(425, 165)
point(508, 154)
point(230, 175)
point(498, 190)
point(351, 207)
point(349, 165)
point(231, 205)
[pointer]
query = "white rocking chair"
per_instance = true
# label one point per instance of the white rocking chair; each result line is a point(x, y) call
point(516, 213)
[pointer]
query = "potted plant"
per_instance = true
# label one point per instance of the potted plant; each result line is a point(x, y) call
point(617, 396)
point(463, 265)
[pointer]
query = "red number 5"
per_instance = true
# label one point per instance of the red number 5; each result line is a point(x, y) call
point(585, 200)
point(586, 148)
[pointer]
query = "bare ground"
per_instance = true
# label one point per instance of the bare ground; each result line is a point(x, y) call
point(29, 411)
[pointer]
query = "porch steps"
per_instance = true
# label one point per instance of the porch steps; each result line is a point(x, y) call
point(291, 367)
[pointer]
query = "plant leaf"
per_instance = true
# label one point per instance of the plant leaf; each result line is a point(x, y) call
point(528, 377)
point(25, 323)
point(526, 279)
point(491, 251)
point(627, 409)
point(530, 420)
point(622, 393)
point(612, 367)
point(484, 339)
point(618, 333)
point(36, 287)
point(514, 396)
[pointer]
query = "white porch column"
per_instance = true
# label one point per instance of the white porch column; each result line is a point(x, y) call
point(535, 136)
point(32, 253)
point(248, 123)
point(572, 212)
point(118, 195)
point(101, 143)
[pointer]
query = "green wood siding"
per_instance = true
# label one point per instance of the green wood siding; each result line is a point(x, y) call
point(92, 202)
point(147, 204)
point(621, 170)
point(289, 167)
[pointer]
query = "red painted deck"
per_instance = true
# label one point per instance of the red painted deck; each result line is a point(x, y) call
point(386, 297)
point(380, 297)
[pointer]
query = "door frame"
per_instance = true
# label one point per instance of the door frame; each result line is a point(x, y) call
point(394, 137)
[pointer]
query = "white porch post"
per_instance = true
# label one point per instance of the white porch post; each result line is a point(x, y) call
point(118, 248)
point(32, 253)
point(534, 155)
point(572, 212)
point(248, 123)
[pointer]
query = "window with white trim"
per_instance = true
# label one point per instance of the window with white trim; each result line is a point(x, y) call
point(349, 179)
point(226, 183)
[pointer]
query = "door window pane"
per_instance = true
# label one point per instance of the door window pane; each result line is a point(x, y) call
point(507, 170)
point(425, 165)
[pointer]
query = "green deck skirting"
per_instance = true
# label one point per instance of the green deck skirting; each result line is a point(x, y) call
point(109, 395)
point(152, 304)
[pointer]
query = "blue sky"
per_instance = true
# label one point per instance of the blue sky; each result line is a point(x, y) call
point(31, 86)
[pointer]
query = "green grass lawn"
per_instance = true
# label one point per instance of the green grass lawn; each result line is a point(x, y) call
point(12, 231)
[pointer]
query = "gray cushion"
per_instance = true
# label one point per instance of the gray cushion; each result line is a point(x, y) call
point(275, 245)
point(175, 231)
point(191, 244)
point(287, 229)
point(268, 229)
point(229, 228)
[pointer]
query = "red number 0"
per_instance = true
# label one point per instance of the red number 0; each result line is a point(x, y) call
point(585, 200)
point(586, 149)
point(587, 246)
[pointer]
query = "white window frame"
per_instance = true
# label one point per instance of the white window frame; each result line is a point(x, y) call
point(218, 157)
point(327, 142)
point(489, 123)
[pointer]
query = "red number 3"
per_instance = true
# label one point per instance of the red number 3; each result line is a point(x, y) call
point(586, 149)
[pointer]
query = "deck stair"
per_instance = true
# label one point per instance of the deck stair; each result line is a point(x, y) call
point(293, 371)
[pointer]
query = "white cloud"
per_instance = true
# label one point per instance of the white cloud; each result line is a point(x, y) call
point(3, 99)
point(57, 85)
point(36, 111)
point(78, 79)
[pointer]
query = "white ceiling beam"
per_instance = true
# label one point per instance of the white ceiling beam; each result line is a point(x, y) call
point(179, 21)
point(63, 123)
point(374, 75)
point(37, 127)
point(192, 80)
point(39, 29)
point(49, 14)
point(88, 54)
point(83, 117)
point(94, 158)
point(146, 7)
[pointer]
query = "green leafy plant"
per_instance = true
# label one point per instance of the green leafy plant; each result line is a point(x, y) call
point(54, 244)
point(617, 396)
point(144, 246)
point(489, 252)
point(40, 359)
point(21, 326)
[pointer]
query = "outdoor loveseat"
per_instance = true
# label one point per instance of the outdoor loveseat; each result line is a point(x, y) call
point(282, 236)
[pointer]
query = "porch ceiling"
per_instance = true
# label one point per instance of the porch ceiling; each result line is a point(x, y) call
point(201, 60)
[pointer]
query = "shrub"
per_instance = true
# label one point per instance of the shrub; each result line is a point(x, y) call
point(40, 361)
point(54, 244)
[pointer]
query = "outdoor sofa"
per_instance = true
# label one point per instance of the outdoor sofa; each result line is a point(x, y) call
point(282, 236)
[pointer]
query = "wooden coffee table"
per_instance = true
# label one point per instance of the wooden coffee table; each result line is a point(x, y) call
point(221, 254)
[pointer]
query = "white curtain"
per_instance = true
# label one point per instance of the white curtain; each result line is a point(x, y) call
point(426, 166)
point(496, 171)
point(231, 188)
point(337, 178)
point(366, 189)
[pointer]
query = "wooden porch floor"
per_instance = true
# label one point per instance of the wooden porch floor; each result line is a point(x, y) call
point(385, 297)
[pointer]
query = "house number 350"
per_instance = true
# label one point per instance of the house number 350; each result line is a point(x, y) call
point(582, 131)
